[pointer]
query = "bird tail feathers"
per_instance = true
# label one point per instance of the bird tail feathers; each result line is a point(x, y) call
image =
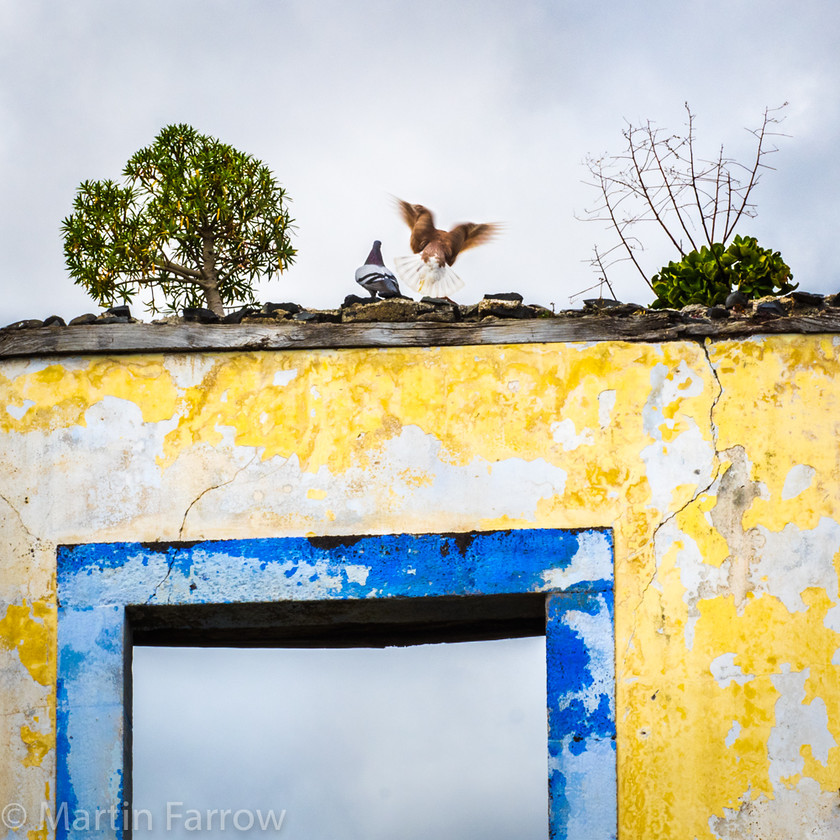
point(429, 279)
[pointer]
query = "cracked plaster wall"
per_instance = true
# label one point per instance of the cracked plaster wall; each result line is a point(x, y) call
point(716, 466)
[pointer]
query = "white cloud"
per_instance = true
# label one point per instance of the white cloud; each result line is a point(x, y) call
point(482, 112)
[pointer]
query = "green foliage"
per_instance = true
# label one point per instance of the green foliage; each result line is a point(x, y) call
point(708, 276)
point(663, 181)
point(197, 220)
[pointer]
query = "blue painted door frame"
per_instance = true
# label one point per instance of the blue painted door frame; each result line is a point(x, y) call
point(97, 582)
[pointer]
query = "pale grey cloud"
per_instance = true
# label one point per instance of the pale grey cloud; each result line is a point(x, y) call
point(435, 740)
point(482, 111)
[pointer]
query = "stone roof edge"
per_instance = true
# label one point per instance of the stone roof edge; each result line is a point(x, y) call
point(130, 338)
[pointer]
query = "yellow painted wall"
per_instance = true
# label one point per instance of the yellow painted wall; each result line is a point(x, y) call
point(716, 466)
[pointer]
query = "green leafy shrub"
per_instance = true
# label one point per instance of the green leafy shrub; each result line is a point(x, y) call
point(197, 221)
point(708, 276)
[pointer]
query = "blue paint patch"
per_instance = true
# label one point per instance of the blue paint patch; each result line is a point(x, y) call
point(582, 782)
point(72, 664)
point(580, 695)
point(396, 565)
point(559, 805)
point(575, 718)
point(63, 779)
point(574, 568)
point(90, 718)
point(580, 673)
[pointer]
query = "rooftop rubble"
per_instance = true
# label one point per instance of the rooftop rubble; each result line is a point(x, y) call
point(492, 307)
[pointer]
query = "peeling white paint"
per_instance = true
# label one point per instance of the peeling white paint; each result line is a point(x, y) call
point(793, 560)
point(687, 459)
point(120, 451)
point(480, 489)
point(17, 411)
point(725, 671)
point(803, 811)
point(668, 386)
point(592, 561)
point(185, 368)
point(359, 574)
point(606, 404)
point(832, 618)
point(732, 735)
point(601, 665)
point(396, 498)
point(564, 433)
point(798, 480)
point(592, 807)
point(699, 579)
point(14, 368)
point(797, 724)
point(284, 377)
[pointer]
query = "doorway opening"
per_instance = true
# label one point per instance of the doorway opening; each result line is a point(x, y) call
point(444, 740)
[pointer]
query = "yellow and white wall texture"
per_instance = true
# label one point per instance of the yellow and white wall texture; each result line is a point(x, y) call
point(716, 466)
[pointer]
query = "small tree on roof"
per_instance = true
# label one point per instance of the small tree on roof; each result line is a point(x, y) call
point(197, 221)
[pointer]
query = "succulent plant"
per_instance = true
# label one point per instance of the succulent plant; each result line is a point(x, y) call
point(708, 275)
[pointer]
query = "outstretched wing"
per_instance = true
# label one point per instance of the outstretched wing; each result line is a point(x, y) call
point(409, 212)
point(421, 222)
point(468, 235)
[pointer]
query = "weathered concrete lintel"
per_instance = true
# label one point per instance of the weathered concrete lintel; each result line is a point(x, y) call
point(193, 338)
point(366, 623)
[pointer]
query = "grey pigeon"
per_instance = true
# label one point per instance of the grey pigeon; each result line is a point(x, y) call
point(373, 277)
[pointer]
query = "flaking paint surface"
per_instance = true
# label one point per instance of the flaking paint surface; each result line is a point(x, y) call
point(27, 710)
point(717, 467)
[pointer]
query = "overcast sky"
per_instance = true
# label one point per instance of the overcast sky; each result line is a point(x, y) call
point(482, 111)
point(432, 741)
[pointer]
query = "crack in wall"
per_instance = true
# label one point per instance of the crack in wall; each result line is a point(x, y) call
point(192, 504)
point(163, 580)
point(700, 491)
point(204, 492)
point(19, 517)
point(704, 346)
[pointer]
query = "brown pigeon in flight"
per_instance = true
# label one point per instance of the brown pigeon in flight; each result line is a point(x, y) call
point(428, 271)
